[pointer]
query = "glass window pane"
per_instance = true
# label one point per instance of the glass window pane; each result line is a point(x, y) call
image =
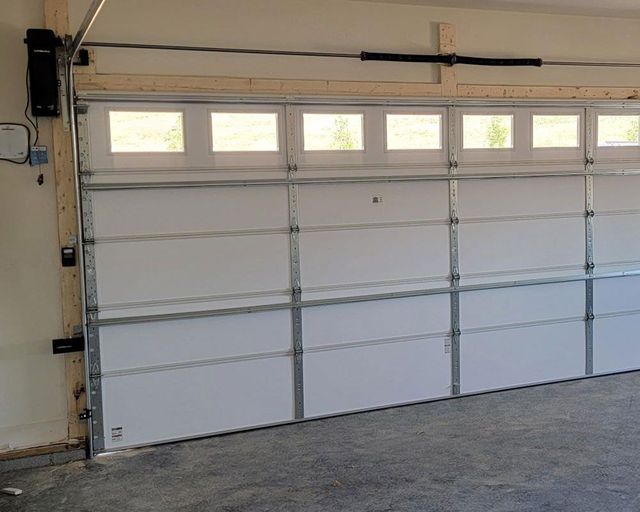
point(244, 131)
point(333, 132)
point(143, 132)
point(413, 131)
point(619, 130)
point(556, 131)
point(487, 131)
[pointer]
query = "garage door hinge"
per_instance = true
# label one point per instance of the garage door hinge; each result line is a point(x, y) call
point(84, 415)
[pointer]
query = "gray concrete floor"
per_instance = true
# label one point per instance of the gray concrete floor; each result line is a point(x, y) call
point(563, 447)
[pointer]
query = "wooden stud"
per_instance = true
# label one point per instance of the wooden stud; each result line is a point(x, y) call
point(213, 85)
point(201, 84)
point(47, 449)
point(448, 44)
point(548, 92)
point(56, 16)
point(57, 19)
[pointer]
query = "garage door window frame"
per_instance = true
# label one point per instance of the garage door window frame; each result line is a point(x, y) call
point(151, 110)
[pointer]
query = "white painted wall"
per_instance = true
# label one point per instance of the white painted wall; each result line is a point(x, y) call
point(32, 398)
point(351, 26)
point(32, 408)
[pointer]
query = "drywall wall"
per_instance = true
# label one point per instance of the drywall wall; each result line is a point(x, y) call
point(32, 388)
point(351, 26)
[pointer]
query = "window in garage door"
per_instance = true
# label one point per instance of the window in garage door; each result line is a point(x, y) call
point(244, 131)
point(146, 131)
point(555, 131)
point(487, 131)
point(333, 132)
point(410, 131)
point(618, 130)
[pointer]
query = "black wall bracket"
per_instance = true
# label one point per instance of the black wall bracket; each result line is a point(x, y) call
point(66, 345)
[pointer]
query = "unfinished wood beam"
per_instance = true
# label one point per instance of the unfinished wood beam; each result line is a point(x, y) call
point(202, 84)
point(213, 85)
point(57, 19)
point(548, 92)
point(447, 35)
point(56, 16)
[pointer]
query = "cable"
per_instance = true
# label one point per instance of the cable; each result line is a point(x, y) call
point(26, 108)
point(40, 179)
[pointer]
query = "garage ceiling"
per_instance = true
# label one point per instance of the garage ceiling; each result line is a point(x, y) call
point(611, 8)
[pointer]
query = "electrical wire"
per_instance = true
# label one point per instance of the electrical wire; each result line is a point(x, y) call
point(26, 108)
point(40, 179)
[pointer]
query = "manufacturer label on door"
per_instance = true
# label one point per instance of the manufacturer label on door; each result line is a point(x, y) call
point(116, 434)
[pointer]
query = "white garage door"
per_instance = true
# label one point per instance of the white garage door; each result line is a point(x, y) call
point(250, 264)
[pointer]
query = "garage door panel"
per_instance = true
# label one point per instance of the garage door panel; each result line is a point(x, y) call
point(616, 294)
point(617, 239)
point(188, 210)
point(616, 343)
point(371, 376)
point(348, 259)
point(512, 357)
point(186, 402)
point(196, 339)
point(181, 268)
point(331, 205)
point(615, 193)
point(376, 320)
point(522, 304)
point(549, 246)
point(534, 196)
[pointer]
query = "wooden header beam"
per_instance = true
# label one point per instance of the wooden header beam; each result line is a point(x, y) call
point(202, 84)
